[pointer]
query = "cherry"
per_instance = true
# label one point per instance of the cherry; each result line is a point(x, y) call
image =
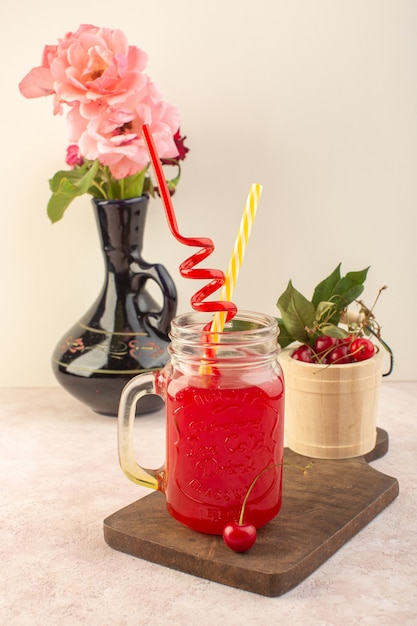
point(328, 350)
point(339, 355)
point(362, 349)
point(346, 340)
point(323, 343)
point(323, 346)
point(239, 537)
point(303, 353)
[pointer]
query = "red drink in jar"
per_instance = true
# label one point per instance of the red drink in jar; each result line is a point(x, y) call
point(220, 439)
point(225, 423)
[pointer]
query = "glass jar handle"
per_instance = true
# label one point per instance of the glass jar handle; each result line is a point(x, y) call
point(141, 385)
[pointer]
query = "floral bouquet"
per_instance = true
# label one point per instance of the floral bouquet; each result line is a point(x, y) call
point(99, 79)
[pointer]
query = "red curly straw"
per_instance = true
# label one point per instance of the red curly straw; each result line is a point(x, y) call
point(187, 267)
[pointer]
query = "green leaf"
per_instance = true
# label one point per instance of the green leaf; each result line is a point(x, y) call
point(57, 205)
point(325, 289)
point(340, 290)
point(133, 185)
point(348, 289)
point(351, 285)
point(284, 337)
point(297, 313)
point(324, 310)
point(334, 331)
point(173, 182)
point(67, 185)
point(344, 299)
point(128, 187)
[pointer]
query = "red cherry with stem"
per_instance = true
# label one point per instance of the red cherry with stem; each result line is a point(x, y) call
point(303, 353)
point(239, 537)
point(324, 342)
point(362, 349)
point(340, 355)
point(323, 346)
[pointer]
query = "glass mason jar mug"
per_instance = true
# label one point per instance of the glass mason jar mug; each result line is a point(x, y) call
point(224, 403)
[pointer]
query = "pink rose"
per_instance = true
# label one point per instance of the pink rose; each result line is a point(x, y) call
point(108, 97)
point(115, 137)
point(91, 66)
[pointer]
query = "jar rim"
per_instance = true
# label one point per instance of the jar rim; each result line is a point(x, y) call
point(245, 327)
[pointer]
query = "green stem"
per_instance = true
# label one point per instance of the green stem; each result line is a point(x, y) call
point(100, 188)
point(266, 469)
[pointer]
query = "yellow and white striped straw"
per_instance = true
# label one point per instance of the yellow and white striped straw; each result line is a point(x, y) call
point(239, 249)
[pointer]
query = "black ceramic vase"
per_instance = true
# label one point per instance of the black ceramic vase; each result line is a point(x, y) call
point(125, 332)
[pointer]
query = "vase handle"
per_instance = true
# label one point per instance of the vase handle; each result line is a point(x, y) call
point(159, 273)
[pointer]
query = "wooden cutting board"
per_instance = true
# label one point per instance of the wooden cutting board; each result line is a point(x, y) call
point(319, 514)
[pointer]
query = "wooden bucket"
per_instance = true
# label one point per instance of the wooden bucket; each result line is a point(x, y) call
point(330, 411)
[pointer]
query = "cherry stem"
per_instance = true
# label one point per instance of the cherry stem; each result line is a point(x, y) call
point(335, 362)
point(322, 355)
point(377, 298)
point(266, 469)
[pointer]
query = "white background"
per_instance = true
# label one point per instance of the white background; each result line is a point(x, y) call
point(314, 99)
